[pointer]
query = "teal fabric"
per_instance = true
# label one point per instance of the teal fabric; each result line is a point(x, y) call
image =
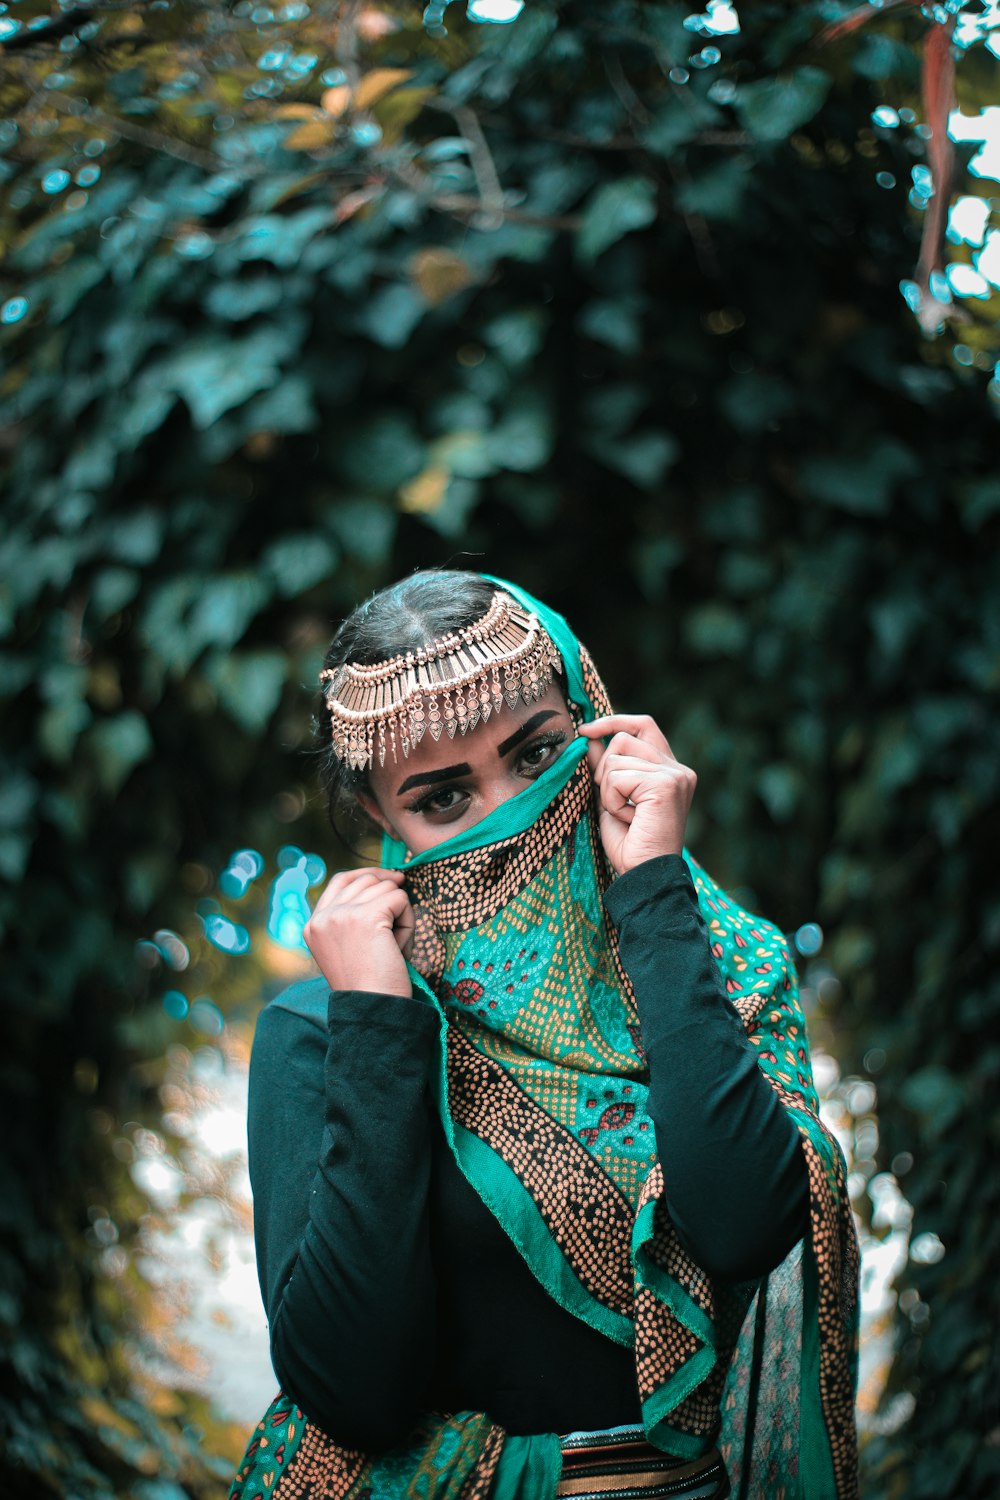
point(529, 1468)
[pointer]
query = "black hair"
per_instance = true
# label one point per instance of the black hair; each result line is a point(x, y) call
point(403, 617)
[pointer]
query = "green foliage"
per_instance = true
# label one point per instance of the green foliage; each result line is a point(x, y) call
point(613, 319)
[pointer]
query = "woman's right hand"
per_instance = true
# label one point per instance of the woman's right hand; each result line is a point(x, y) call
point(361, 932)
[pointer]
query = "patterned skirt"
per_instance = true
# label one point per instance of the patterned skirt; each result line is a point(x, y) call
point(621, 1463)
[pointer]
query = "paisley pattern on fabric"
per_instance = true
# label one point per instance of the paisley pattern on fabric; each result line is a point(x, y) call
point(291, 1458)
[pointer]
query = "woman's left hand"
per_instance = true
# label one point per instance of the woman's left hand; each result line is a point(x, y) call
point(644, 793)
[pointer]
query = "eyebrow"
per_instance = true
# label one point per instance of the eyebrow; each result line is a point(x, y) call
point(528, 727)
point(429, 778)
point(445, 773)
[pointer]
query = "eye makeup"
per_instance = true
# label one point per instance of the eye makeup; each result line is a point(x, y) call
point(436, 800)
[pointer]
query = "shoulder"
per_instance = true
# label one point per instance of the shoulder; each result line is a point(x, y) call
point(308, 1000)
point(751, 952)
point(292, 1027)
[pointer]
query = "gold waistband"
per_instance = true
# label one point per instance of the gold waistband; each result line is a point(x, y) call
point(623, 1463)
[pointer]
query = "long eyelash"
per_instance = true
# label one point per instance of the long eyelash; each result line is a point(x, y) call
point(428, 797)
point(544, 741)
point(553, 738)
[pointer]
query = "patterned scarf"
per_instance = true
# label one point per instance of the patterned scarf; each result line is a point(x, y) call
point(542, 1093)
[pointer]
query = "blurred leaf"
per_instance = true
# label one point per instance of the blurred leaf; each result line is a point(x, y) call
point(249, 684)
point(382, 453)
point(772, 109)
point(715, 629)
point(862, 483)
point(934, 1094)
point(136, 538)
point(287, 407)
point(391, 315)
point(612, 211)
point(213, 374)
point(780, 787)
point(117, 746)
point(312, 135)
point(438, 273)
point(236, 300)
point(424, 494)
point(643, 457)
point(18, 808)
point(224, 607)
point(616, 323)
point(679, 119)
point(523, 437)
point(365, 529)
point(518, 335)
point(755, 402)
point(879, 57)
point(979, 499)
point(297, 563)
point(717, 193)
point(282, 238)
point(378, 82)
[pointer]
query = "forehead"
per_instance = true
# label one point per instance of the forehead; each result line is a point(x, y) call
point(476, 746)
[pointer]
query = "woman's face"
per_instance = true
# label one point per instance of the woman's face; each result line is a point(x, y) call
point(444, 786)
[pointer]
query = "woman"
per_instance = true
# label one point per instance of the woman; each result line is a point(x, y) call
point(534, 1158)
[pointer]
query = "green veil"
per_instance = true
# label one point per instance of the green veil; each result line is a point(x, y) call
point(542, 1091)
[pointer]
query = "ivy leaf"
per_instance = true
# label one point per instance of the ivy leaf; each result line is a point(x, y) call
point(214, 374)
point(249, 685)
point(297, 563)
point(612, 211)
point(679, 120)
point(381, 454)
point(524, 436)
point(615, 322)
point(772, 109)
point(643, 457)
point(861, 482)
point(224, 607)
point(282, 238)
point(718, 192)
point(117, 746)
point(391, 315)
point(18, 806)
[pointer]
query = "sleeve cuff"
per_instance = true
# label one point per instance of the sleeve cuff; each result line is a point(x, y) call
point(664, 882)
point(410, 1015)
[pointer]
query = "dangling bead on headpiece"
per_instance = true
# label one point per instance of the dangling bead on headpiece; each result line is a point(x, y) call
point(443, 688)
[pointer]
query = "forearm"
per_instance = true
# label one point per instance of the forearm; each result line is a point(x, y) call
point(343, 1219)
point(735, 1177)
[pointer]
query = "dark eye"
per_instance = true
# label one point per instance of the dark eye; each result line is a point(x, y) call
point(538, 754)
point(445, 799)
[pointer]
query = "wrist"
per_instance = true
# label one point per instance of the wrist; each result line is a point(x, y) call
point(375, 979)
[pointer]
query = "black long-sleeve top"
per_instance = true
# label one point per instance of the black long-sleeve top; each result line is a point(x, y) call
point(390, 1288)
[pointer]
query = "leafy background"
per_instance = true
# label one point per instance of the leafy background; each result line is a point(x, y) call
point(297, 298)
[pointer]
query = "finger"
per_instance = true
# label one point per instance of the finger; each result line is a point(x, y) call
point(595, 754)
point(616, 795)
point(404, 930)
point(365, 873)
point(640, 725)
point(392, 898)
point(639, 781)
point(630, 744)
point(347, 883)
